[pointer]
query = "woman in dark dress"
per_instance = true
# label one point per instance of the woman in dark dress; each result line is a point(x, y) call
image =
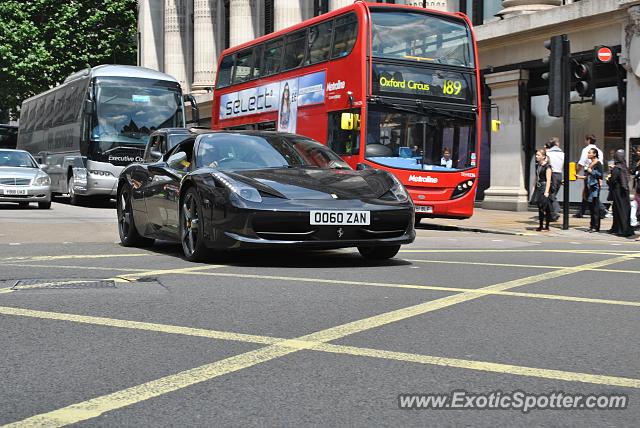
point(542, 191)
point(593, 175)
point(619, 191)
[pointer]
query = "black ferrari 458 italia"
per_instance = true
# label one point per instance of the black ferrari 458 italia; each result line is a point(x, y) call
point(228, 190)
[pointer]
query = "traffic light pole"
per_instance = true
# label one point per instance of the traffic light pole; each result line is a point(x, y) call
point(566, 114)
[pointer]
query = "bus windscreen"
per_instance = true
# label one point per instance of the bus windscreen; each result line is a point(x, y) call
point(421, 37)
point(128, 110)
point(414, 141)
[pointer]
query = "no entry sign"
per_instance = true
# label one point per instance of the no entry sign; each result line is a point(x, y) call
point(604, 54)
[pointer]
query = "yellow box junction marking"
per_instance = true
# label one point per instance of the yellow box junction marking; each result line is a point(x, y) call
point(95, 407)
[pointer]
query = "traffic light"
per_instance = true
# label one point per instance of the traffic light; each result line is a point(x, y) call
point(584, 72)
point(555, 76)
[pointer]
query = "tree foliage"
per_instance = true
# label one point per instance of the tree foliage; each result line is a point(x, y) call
point(43, 41)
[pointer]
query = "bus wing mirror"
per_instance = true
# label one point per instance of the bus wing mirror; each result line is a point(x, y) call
point(195, 110)
point(88, 107)
point(495, 125)
point(349, 121)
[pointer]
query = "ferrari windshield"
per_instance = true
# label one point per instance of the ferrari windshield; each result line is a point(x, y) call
point(241, 151)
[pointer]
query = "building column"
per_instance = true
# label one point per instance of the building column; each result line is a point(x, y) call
point(337, 4)
point(206, 42)
point(631, 59)
point(286, 13)
point(507, 191)
point(244, 21)
point(521, 7)
point(178, 42)
point(151, 33)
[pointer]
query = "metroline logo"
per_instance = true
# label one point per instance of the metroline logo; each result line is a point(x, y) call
point(421, 179)
point(334, 86)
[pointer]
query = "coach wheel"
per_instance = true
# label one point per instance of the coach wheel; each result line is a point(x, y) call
point(379, 253)
point(191, 235)
point(129, 236)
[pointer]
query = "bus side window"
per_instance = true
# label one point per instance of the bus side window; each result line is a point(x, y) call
point(59, 108)
point(272, 57)
point(319, 42)
point(294, 51)
point(242, 68)
point(346, 31)
point(224, 74)
point(257, 61)
point(39, 119)
point(25, 117)
point(340, 140)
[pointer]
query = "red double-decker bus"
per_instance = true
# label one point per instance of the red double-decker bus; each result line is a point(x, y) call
point(385, 86)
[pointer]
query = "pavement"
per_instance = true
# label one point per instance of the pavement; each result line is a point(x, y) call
point(96, 334)
point(521, 223)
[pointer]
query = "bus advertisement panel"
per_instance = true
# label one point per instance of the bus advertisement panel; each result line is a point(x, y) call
point(385, 86)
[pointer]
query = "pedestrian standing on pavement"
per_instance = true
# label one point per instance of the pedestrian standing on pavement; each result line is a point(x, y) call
point(556, 160)
point(583, 163)
point(593, 177)
point(636, 175)
point(619, 191)
point(542, 192)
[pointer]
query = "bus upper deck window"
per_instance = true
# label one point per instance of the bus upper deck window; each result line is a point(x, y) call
point(346, 31)
point(272, 57)
point(242, 69)
point(294, 50)
point(319, 42)
point(224, 74)
point(257, 61)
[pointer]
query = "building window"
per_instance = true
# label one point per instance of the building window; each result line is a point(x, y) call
point(481, 11)
point(227, 34)
point(268, 16)
point(320, 7)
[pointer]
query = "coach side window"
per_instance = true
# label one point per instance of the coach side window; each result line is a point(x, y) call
point(224, 74)
point(40, 113)
point(272, 57)
point(294, 50)
point(346, 31)
point(58, 113)
point(319, 42)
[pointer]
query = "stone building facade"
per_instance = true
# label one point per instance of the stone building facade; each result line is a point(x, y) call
point(185, 37)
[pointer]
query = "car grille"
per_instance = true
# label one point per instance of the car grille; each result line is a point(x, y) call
point(15, 181)
point(296, 227)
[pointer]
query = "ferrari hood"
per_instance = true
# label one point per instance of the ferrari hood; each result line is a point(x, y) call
point(316, 183)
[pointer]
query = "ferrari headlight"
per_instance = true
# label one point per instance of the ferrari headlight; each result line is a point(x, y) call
point(243, 190)
point(398, 190)
point(42, 179)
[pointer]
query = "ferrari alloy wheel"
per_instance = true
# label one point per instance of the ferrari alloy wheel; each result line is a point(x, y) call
point(379, 253)
point(129, 236)
point(191, 234)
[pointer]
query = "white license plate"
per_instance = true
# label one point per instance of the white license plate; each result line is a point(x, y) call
point(14, 191)
point(340, 218)
point(424, 209)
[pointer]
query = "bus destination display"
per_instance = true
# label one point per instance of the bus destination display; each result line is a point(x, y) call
point(421, 83)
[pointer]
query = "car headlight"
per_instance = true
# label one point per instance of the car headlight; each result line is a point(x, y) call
point(43, 180)
point(101, 173)
point(243, 190)
point(398, 190)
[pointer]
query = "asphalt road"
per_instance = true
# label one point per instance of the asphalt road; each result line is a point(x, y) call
point(100, 335)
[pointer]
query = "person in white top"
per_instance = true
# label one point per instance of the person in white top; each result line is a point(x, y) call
point(446, 160)
point(556, 160)
point(583, 163)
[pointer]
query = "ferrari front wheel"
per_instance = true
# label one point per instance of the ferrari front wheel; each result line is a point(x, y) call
point(191, 233)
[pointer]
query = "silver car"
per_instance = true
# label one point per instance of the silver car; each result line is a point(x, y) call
point(22, 181)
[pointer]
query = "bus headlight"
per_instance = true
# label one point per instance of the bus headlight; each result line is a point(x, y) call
point(244, 191)
point(398, 190)
point(42, 179)
point(462, 188)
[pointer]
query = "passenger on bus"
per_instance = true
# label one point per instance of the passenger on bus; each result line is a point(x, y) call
point(446, 160)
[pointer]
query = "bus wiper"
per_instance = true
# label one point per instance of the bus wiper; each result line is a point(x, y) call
point(120, 148)
point(422, 108)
